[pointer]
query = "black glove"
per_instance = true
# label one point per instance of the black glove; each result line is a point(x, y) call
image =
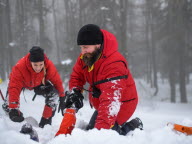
point(71, 99)
point(96, 92)
point(43, 89)
point(62, 105)
point(76, 99)
point(16, 115)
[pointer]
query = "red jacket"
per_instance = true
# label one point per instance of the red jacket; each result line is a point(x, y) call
point(23, 76)
point(110, 104)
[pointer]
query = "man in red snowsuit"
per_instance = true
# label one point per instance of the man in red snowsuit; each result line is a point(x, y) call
point(34, 71)
point(112, 88)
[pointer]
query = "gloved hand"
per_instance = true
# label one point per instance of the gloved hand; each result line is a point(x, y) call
point(43, 89)
point(16, 115)
point(96, 92)
point(75, 98)
point(71, 99)
point(62, 105)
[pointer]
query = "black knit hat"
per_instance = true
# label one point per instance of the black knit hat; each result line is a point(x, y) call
point(90, 34)
point(36, 54)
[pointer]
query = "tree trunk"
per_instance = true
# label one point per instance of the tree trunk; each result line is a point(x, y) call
point(2, 46)
point(182, 82)
point(172, 86)
point(56, 33)
point(41, 24)
point(152, 44)
point(6, 38)
point(181, 35)
point(123, 27)
point(171, 51)
point(11, 63)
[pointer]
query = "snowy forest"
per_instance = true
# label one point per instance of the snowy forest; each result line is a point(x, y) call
point(155, 36)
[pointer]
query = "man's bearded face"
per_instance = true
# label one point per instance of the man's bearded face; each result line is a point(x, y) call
point(90, 58)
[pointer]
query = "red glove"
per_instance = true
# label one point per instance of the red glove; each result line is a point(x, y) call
point(68, 122)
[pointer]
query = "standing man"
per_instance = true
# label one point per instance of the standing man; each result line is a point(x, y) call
point(34, 71)
point(112, 90)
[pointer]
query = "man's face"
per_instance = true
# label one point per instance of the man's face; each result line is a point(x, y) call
point(37, 66)
point(85, 49)
point(89, 53)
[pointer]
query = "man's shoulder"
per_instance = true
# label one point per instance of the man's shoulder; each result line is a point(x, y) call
point(115, 57)
point(118, 55)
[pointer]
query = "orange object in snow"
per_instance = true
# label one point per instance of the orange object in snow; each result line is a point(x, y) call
point(68, 122)
point(183, 129)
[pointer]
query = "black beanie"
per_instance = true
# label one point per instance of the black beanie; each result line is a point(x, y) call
point(89, 34)
point(36, 54)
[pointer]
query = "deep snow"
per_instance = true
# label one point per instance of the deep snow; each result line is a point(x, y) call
point(155, 112)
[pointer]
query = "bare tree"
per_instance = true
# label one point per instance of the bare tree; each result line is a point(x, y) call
point(6, 38)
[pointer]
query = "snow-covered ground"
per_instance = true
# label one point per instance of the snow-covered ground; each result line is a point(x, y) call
point(154, 112)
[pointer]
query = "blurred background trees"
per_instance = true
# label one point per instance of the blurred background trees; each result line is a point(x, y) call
point(155, 36)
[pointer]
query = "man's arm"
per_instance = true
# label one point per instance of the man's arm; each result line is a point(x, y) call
point(111, 94)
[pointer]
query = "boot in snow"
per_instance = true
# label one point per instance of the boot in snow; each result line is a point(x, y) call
point(135, 123)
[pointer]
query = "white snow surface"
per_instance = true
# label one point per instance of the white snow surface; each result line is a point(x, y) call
point(154, 112)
